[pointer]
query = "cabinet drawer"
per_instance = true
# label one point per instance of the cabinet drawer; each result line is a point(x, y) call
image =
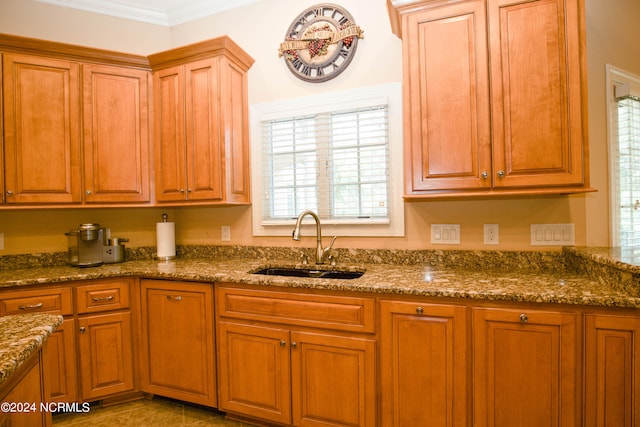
point(54, 300)
point(102, 296)
point(321, 311)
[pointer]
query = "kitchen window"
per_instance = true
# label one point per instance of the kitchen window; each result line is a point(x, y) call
point(338, 155)
point(624, 155)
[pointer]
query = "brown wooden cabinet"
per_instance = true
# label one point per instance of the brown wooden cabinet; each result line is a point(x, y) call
point(424, 366)
point(296, 358)
point(508, 116)
point(201, 123)
point(526, 368)
point(41, 130)
point(105, 338)
point(59, 355)
point(612, 370)
point(116, 134)
point(178, 341)
point(26, 388)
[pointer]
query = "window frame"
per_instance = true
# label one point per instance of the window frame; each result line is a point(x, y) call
point(389, 94)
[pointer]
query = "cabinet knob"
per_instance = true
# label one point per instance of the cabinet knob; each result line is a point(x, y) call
point(501, 174)
point(88, 192)
point(83, 330)
point(9, 193)
point(294, 344)
point(524, 318)
point(419, 310)
point(484, 175)
point(182, 190)
point(283, 343)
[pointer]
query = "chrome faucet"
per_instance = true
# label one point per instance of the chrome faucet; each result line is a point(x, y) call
point(321, 254)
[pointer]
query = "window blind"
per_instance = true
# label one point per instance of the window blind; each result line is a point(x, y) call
point(628, 112)
point(335, 163)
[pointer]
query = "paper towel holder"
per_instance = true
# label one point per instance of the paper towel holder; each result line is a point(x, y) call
point(165, 219)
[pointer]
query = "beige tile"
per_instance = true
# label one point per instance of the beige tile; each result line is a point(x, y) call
point(157, 412)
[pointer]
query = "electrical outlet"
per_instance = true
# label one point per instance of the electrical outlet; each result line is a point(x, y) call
point(225, 233)
point(552, 235)
point(491, 234)
point(442, 234)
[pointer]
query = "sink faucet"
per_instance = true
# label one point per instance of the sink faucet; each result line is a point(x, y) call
point(321, 253)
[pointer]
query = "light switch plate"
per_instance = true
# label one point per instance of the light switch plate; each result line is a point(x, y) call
point(552, 234)
point(448, 234)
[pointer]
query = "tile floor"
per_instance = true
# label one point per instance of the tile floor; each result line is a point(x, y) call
point(156, 412)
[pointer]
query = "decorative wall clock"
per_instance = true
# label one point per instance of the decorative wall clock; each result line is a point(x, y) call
point(320, 43)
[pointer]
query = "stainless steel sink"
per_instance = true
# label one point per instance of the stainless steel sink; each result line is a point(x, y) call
point(309, 272)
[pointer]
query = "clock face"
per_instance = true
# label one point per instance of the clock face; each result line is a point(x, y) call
point(320, 43)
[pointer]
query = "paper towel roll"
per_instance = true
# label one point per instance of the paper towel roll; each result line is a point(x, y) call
point(166, 239)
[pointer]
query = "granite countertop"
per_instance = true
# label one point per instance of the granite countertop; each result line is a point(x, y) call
point(21, 335)
point(576, 286)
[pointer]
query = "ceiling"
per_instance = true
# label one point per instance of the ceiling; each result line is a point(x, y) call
point(160, 12)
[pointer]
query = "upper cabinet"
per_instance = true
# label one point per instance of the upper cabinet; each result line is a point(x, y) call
point(42, 133)
point(494, 97)
point(77, 125)
point(201, 138)
point(116, 134)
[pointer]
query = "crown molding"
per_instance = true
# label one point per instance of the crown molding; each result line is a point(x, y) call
point(166, 12)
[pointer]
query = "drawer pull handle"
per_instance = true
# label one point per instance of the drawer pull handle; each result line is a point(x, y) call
point(172, 298)
point(101, 299)
point(524, 318)
point(419, 310)
point(31, 306)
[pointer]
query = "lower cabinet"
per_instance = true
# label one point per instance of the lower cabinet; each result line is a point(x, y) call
point(25, 387)
point(178, 341)
point(423, 364)
point(612, 371)
point(105, 338)
point(59, 354)
point(60, 363)
point(292, 358)
point(526, 368)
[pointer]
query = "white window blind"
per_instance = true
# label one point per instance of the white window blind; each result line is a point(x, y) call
point(337, 154)
point(624, 153)
point(333, 163)
point(629, 169)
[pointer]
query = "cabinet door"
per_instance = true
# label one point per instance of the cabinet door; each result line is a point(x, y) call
point(333, 380)
point(235, 132)
point(446, 101)
point(254, 371)
point(169, 139)
point(116, 134)
point(423, 360)
point(526, 369)
point(41, 130)
point(106, 355)
point(612, 366)
point(537, 115)
point(177, 320)
point(203, 135)
point(59, 357)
